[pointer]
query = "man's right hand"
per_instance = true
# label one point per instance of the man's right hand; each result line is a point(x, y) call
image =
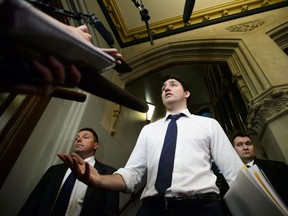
point(82, 170)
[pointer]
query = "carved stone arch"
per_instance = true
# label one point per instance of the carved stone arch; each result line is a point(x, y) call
point(280, 36)
point(246, 72)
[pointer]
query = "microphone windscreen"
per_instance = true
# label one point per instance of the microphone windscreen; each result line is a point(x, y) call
point(188, 8)
point(103, 31)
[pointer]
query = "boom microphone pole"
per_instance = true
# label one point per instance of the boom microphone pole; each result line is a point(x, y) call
point(144, 17)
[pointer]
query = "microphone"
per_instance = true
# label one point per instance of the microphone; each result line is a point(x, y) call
point(144, 17)
point(93, 20)
point(188, 8)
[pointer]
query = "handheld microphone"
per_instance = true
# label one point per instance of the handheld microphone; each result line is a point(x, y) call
point(102, 30)
point(188, 8)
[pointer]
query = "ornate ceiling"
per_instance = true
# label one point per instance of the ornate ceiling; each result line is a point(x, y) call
point(164, 17)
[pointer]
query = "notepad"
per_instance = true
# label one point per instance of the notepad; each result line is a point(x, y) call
point(252, 194)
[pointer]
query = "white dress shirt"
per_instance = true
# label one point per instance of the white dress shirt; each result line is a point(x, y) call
point(78, 193)
point(199, 139)
point(251, 163)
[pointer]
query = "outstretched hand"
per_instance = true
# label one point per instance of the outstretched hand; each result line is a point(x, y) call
point(114, 53)
point(83, 32)
point(82, 170)
point(86, 173)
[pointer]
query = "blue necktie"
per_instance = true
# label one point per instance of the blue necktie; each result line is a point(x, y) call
point(166, 162)
point(63, 198)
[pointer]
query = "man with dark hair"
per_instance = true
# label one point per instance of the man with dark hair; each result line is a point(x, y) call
point(93, 132)
point(276, 171)
point(46, 198)
point(176, 153)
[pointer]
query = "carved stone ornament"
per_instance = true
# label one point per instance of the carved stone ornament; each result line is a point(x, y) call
point(170, 27)
point(245, 27)
point(265, 2)
point(244, 8)
point(206, 18)
point(115, 117)
point(225, 13)
point(137, 36)
point(267, 110)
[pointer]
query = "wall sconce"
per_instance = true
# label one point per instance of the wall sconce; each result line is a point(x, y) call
point(149, 114)
point(115, 116)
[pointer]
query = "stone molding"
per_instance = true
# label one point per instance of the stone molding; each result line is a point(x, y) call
point(268, 108)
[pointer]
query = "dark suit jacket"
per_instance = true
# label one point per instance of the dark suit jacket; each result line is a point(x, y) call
point(277, 173)
point(96, 202)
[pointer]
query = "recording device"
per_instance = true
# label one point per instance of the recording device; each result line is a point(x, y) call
point(91, 19)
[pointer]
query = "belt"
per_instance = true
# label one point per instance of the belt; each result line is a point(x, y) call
point(180, 202)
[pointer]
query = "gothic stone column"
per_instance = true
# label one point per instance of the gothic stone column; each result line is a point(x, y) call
point(268, 117)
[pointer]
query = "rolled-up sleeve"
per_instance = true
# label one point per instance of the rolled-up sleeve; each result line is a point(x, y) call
point(136, 166)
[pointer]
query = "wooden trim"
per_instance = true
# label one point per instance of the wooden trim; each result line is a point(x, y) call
point(16, 132)
point(5, 104)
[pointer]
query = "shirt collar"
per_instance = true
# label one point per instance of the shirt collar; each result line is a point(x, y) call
point(90, 159)
point(250, 163)
point(184, 111)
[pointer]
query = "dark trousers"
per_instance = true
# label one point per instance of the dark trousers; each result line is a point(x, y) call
point(210, 209)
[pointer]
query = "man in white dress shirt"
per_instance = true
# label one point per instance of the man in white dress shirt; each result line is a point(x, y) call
point(199, 139)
